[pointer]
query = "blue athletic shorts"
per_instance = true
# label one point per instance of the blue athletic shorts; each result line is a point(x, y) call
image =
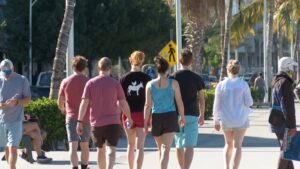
point(188, 135)
point(11, 134)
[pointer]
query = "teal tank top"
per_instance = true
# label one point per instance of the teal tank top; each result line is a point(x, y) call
point(163, 100)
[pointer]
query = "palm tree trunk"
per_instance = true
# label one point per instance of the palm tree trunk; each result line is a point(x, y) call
point(280, 41)
point(226, 40)
point(61, 49)
point(221, 13)
point(298, 47)
point(197, 48)
point(194, 37)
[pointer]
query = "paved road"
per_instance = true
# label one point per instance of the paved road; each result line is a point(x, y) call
point(260, 149)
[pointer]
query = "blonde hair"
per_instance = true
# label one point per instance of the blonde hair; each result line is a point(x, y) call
point(137, 58)
point(233, 67)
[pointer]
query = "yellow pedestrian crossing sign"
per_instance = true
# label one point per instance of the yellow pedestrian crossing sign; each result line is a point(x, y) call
point(169, 53)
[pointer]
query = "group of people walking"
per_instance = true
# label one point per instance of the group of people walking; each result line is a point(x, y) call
point(170, 106)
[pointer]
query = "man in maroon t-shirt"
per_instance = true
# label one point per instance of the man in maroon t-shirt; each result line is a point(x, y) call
point(69, 99)
point(103, 93)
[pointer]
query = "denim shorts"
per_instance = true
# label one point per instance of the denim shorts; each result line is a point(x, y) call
point(71, 125)
point(11, 134)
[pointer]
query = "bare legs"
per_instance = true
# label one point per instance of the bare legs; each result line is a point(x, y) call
point(85, 152)
point(233, 139)
point(164, 143)
point(33, 130)
point(73, 146)
point(136, 139)
point(102, 157)
point(185, 157)
point(11, 155)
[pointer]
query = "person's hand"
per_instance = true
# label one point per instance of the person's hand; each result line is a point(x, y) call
point(293, 132)
point(11, 103)
point(129, 120)
point(201, 121)
point(217, 127)
point(181, 121)
point(79, 129)
point(63, 110)
point(146, 128)
point(3, 106)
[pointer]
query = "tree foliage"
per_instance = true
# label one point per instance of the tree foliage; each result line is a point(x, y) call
point(102, 27)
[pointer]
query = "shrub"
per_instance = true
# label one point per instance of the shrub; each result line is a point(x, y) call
point(51, 119)
point(209, 103)
point(254, 94)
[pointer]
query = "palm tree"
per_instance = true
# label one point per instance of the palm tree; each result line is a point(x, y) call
point(226, 40)
point(61, 49)
point(271, 7)
point(286, 15)
point(198, 15)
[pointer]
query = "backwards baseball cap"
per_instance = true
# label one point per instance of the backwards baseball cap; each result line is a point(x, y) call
point(286, 64)
point(6, 64)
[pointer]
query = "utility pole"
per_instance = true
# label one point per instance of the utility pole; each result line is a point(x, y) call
point(265, 49)
point(31, 3)
point(178, 33)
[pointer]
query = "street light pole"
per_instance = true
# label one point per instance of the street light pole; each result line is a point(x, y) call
point(31, 3)
point(265, 50)
point(178, 32)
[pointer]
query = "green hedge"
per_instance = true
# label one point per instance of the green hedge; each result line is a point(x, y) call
point(209, 101)
point(51, 119)
point(254, 94)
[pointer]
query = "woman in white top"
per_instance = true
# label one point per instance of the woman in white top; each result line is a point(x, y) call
point(231, 110)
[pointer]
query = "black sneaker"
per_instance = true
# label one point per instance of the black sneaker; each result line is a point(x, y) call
point(43, 159)
point(3, 158)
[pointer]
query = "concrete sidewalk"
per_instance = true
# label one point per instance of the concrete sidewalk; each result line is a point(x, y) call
point(260, 150)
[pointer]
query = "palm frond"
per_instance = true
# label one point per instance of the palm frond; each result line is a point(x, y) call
point(244, 22)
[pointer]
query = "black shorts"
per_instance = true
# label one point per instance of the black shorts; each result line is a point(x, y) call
point(106, 134)
point(164, 123)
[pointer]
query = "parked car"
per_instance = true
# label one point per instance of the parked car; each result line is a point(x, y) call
point(206, 81)
point(42, 86)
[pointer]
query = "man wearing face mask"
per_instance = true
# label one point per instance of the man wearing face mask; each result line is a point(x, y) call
point(283, 100)
point(14, 94)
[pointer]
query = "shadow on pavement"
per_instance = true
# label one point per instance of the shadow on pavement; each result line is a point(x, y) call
point(65, 162)
point(217, 141)
point(210, 141)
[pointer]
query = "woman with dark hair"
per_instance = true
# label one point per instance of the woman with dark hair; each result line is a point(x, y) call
point(160, 94)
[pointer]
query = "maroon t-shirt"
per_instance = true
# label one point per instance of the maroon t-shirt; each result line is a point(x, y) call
point(72, 88)
point(103, 93)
